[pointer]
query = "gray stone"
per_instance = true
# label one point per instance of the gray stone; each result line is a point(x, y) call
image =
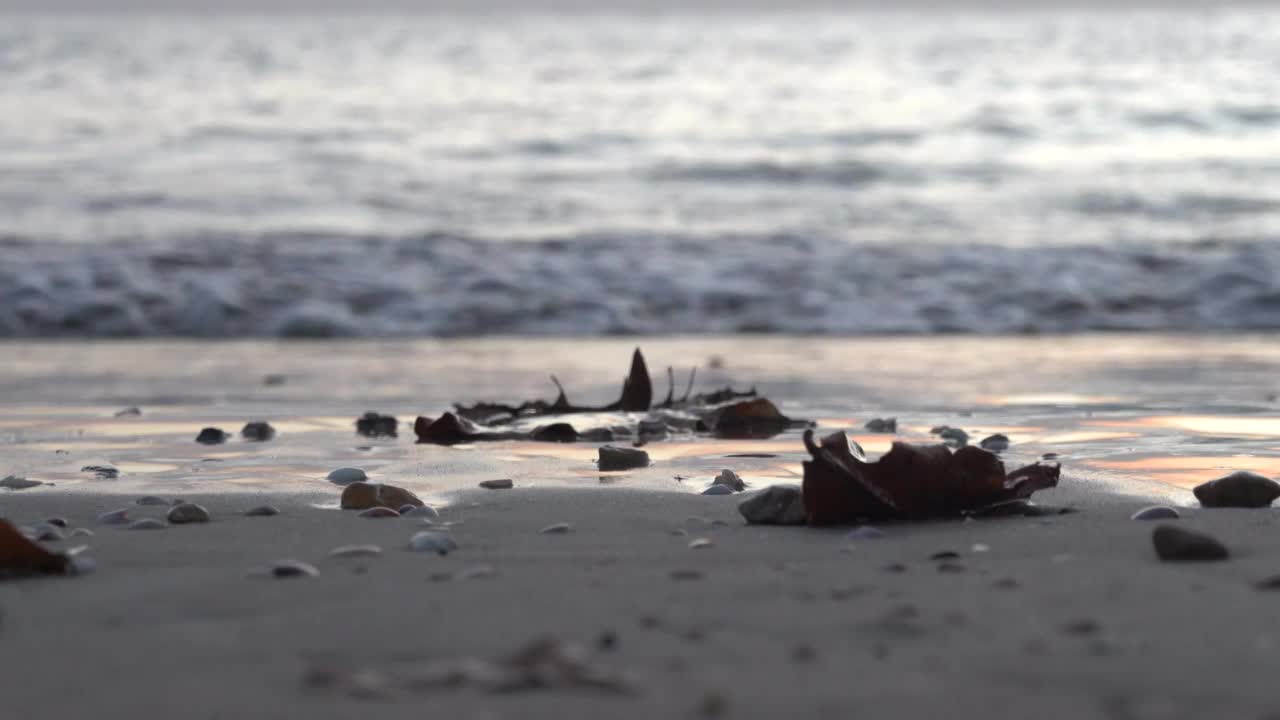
point(81, 532)
point(621, 458)
point(262, 511)
point(731, 480)
point(432, 541)
point(997, 443)
point(1156, 512)
point(1239, 489)
point(425, 511)
point(718, 490)
point(774, 505)
point(503, 484)
point(557, 529)
point(257, 432)
point(212, 436)
point(16, 483)
point(152, 500)
point(1174, 544)
point(865, 532)
point(379, 512)
point(346, 476)
point(188, 513)
point(882, 425)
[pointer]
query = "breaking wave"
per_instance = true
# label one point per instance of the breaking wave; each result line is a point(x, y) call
point(301, 285)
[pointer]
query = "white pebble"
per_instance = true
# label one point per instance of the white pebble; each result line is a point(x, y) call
point(432, 541)
point(701, 542)
point(557, 529)
point(114, 517)
point(350, 551)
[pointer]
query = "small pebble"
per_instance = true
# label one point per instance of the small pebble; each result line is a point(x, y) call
point(129, 412)
point(346, 476)
point(81, 532)
point(102, 472)
point(997, 443)
point(293, 569)
point(557, 529)
point(1081, 627)
point(619, 458)
point(262, 511)
point(980, 548)
point(1156, 512)
point(945, 555)
point(718, 490)
point(895, 568)
point(212, 436)
point(152, 500)
point(949, 567)
point(681, 532)
point(371, 424)
point(257, 432)
point(730, 479)
point(379, 512)
point(188, 513)
point(503, 484)
point(478, 572)
point(147, 524)
point(114, 517)
point(701, 542)
point(882, 425)
point(1174, 544)
point(57, 522)
point(865, 532)
point(607, 641)
point(432, 541)
point(45, 532)
point(350, 551)
point(424, 511)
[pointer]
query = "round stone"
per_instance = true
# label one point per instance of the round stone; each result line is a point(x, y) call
point(114, 517)
point(188, 513)
point(379, 512)
point(262, 511)
point(346, 476)
point(294, 569)
point(432, 541)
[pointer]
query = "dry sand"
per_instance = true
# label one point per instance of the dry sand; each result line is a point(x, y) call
point(1069, 616)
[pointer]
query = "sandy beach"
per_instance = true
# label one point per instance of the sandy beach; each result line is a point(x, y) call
point(1063, 616)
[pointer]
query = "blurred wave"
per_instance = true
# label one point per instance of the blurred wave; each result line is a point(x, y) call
point(828, 173)
point(448, 285)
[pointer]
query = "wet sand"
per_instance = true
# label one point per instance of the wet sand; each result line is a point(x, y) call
point(1069, 616)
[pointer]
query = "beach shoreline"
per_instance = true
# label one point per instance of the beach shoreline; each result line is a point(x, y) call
point(1060, 616)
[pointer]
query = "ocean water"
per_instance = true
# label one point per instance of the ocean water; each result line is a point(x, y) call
point(550, 175)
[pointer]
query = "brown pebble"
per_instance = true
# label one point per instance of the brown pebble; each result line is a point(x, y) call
point(713, 705)
point(1081, 627)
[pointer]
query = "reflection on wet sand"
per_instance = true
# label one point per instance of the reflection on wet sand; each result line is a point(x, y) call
point(1189, 470)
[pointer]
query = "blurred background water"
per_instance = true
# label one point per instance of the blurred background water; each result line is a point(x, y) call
point(553, 174)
